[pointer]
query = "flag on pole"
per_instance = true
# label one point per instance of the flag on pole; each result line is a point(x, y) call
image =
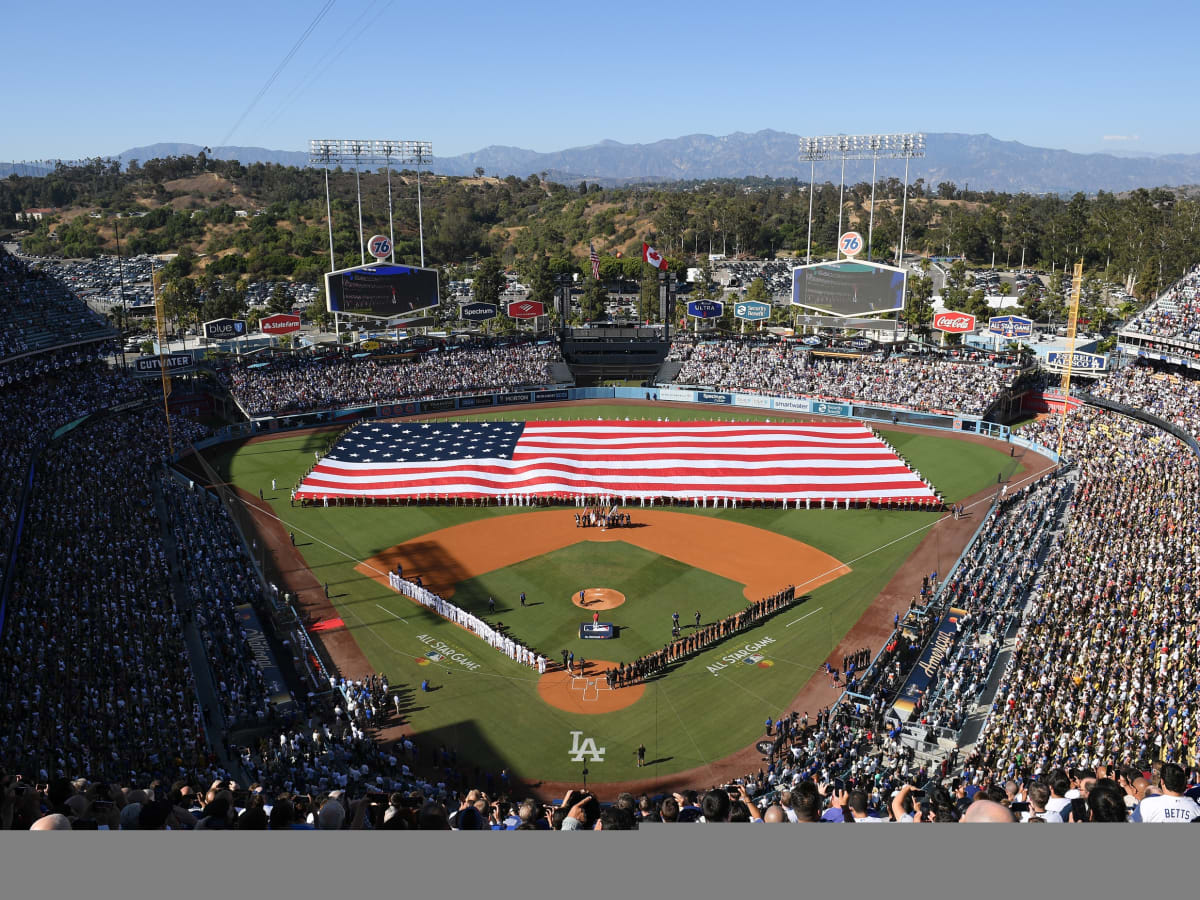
point(652, 256)
point(595, 261)
point(744, 460)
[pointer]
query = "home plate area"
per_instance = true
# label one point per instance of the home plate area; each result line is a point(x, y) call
point(587, 694)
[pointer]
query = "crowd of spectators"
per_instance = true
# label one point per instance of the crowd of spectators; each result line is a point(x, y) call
point(38, 312)
point(1096, 706)
point(790, 370)
point(218, 577)
point(1172, 393)
point(1175, 314)
point(95, 676)
point(321, 381)
point(1105, 669)
point(47, 391)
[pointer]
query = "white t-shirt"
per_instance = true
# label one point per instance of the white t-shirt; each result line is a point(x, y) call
point(1164, 808)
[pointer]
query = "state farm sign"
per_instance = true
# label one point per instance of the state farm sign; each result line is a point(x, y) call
point(280, 323)
point(954, 322)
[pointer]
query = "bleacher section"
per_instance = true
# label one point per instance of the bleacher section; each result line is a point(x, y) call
point(38, 312)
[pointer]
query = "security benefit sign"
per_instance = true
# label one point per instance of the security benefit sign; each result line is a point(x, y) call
point(752, 310)
point(705, 309)
point(936, 652)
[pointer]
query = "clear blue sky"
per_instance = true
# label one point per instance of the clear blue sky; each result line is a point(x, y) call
point(87, 79)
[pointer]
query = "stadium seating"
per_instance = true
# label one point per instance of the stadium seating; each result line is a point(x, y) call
point(325, 381)
point(38, 312)
point(95, 688)
point(792, 370)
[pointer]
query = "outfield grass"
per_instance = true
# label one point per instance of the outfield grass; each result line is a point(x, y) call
point(701, 711)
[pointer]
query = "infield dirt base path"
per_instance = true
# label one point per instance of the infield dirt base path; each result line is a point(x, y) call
point(765, 562)
point(589, 693)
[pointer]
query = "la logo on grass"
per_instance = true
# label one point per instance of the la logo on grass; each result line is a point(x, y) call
point(585, 748)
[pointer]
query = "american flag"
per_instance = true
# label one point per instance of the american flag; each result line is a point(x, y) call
point(743, 460)
point(595, 262)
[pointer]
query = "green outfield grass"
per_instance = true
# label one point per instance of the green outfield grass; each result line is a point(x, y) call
point(703, 710)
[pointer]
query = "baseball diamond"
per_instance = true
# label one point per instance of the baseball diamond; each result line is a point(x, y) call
point(714, 561)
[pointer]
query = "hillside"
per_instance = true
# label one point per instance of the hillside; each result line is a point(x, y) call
point(267, 221)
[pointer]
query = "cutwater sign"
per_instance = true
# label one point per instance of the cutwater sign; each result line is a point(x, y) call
point(177, 363)
point(752, 310)
point(705, 309)
point(1010, 326)
point(1088, 362)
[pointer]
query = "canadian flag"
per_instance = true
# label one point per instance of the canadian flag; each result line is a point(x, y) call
point(652, 256)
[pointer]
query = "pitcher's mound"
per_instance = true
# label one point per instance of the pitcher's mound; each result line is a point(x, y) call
point(587, 694)
point(598, 598)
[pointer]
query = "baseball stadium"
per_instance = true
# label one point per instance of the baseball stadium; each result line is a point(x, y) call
point(518, 582)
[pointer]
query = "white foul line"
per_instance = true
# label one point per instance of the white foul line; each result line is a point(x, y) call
point(803, 617)
point(390, 613)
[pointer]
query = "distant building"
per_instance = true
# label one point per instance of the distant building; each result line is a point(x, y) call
point(33, 215)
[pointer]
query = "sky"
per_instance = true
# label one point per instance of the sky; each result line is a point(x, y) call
point(86, 79)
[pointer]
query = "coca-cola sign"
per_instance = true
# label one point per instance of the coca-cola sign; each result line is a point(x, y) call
point(954, 322)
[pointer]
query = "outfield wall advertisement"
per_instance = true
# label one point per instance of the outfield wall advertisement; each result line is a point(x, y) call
point(896, 415)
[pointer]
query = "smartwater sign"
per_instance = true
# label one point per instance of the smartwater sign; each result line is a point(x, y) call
point(1086, 362)
point(791, 404)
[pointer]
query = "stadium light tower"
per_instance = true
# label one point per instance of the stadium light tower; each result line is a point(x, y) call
point(862, 146)
point(331, 152)
point(911, 146)
point(812, 150)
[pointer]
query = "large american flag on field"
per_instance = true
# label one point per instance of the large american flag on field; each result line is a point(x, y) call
point(744, 460)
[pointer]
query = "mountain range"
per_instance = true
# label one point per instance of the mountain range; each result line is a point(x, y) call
point(979, 161)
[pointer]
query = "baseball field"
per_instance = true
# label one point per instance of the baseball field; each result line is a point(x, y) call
point(698, 720)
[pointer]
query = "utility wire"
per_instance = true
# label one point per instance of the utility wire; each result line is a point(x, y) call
point(278, 69)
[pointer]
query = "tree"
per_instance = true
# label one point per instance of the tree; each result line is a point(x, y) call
point(279, 301)
point(918, 312)
point(317, 313)
point(541, 282)
point(648, 299)
point(594, 300)
point(488, 281)
point(758, 291)
point(954, 292)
